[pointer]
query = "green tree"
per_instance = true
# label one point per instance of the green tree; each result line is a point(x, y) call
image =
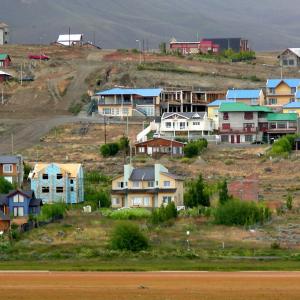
point(289, 201)
point(223, 192)
point(196, 194)
point(5, 186)
point(127, 236)
point(163, 48)
point(124, 143)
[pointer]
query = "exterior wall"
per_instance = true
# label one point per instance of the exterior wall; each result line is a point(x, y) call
point(72, 192)
point(16, 176)
point(289, 59)
point(292, 110)
point(4, 63)
point(283, 94)
point(115, 110)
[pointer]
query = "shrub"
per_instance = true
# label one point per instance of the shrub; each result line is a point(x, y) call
point(164, 213)
point(195, 148)
point(127, 236)
point(110, 149)
point(75, 108)
point(52, 211)
point(97, 197)
point(283, 146)
point(289, 202)
point(95, 177)
point(237, 212)
point(223, 192)
point(196, 193)
point(130, 214)
point(124, 143)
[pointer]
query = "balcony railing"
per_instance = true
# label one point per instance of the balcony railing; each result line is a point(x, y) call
point(238, 130)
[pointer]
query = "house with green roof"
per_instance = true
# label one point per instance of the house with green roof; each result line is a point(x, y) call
point(5, 60)
point(242, 123)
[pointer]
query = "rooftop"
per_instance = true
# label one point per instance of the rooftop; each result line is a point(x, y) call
point(140, 92)
point(291, 82)
point(185, 115)
point(282, 117)
point(242, 107)
point(3, 56)
point(217, 103)
point(292, 105)
point(8, 159)
point(243, 94)
point(143, 174)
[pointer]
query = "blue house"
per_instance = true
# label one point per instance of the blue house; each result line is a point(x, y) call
point(250, 97)
point(55, 182)
point(18, 205)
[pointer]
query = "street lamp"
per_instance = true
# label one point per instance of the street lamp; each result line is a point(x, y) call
point(140, 48)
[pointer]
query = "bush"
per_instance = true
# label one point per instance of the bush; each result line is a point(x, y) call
point(163, 214)
point(95, 177)
point(127, 236)
point(110, 149)
point(52, 211)
point(283, 146)
point(75, 108)
point(195, 148)
point(289, 202)
point(5, 186)
point(130, 214)
point(223, 192)
point(237, 212)
point(124, 143)
point(95, 196)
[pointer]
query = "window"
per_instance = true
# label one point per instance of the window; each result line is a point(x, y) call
point(271, 90)
point(292, 100)
point(224, 138)
point(167, 199)
point(285, 62)
point(248, 115)
point(272, 101)
point(18, 198)
point(150, 184)
point(135, 184)
point(167, 183)
point(125, 111)
point(291, 62)
point(248, 126)
point(273, 125)
point(19, 211)
point(45, 176)
point(254, 102)
point(293, 90)
point(59, 189)
point(115, 201)
point(225, 116)
point(249, 138)
point(106, 111)
point(71, 181)
point(281, 125)
point(196, 123)
point(45, 189)
point(146, 201)
point(137, 201)
point(72, 189)
point(226, 126)
point(141, 149)
point(7, 168)
point(120, 184)
point(168, 125)
point(182, 125)
point(59, 176)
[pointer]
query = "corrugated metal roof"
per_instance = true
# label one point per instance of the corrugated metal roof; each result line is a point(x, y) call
point(140, 92)
point(282, 117)
point(185, 115)
point(241, 107)
point(295, 50)
point(7, 159)
point(291, 82)
point(143, 174)
point(219, 102)
point(4, 73)
point(292, 105)
point(69, 37)
point(243, 94)
point(3, 56)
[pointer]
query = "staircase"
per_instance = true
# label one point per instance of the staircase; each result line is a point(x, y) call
point(142, 136)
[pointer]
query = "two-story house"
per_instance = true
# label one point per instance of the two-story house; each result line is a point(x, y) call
point(54, 182)
point(11, 168)
point(147, 187)
point(280, 92)
point(250, 97)
point(280, 124)
point(120, 102)
point(17, 206)
point(242, 123)
point(190, 125)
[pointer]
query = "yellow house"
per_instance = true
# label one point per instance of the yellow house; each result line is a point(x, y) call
point(280, 92)
point(146, 187)
point(293, 107)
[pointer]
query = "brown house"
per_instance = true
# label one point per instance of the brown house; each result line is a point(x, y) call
point(245, 189)
point(160, 146)
point(11, 168)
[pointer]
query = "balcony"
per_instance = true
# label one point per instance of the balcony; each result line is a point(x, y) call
point(242, 130)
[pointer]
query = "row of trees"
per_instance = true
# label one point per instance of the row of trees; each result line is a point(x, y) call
point(111, 149)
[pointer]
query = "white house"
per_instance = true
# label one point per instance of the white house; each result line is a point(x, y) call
point(70, 39)
point(187, 124)
point(4, 34)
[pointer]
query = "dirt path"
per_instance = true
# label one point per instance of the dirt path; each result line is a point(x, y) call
point(154, 286)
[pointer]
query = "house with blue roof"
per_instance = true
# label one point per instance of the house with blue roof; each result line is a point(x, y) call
point(280, 92)
point(123, 102)
point(292, 107)
point(250, 97)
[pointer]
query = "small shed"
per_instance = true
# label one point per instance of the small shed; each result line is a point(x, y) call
point(5, 60)
point(70, 39)
point(160, 146)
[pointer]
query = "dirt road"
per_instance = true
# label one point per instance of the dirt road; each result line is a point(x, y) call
point(154, 286)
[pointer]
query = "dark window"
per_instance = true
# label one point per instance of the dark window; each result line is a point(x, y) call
point(45, 189)
point(71, 181)
point(72, 189)
point(226, 126)
point(248, 115)
point(59, 176)
point(225, 116)
point(225, 138)
point(45, 176)
point(59, 189)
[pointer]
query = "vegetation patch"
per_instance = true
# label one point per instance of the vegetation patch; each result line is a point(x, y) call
point(163, 67)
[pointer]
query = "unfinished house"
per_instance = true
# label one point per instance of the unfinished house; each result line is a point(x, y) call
point(54, 182)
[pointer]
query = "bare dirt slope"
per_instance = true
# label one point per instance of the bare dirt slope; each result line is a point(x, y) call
point(154, 286)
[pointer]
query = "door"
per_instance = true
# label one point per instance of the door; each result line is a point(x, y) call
point(238, 139)
point(232, 139)
point(149, 150)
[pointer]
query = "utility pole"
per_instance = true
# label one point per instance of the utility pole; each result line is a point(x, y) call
point(22, 73)
point(69, 36)
point(12, 144)
point(104, 129)
point(94, 38)
point(127, 125)
point(2, 96)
